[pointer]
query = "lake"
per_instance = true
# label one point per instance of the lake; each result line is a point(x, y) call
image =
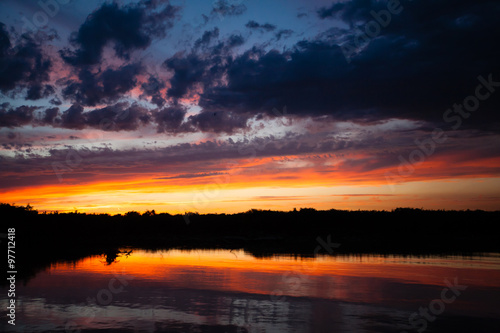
point(232, 291)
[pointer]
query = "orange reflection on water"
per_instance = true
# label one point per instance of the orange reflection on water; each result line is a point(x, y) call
point(343, 277)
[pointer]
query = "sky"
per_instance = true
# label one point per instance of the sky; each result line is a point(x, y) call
point(229, 105)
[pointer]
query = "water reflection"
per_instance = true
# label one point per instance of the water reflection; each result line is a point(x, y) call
point(231, 291)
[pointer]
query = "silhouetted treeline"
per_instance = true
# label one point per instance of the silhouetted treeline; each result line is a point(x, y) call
point(48, 237)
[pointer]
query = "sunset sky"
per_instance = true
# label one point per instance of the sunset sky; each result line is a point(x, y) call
point(227, 105)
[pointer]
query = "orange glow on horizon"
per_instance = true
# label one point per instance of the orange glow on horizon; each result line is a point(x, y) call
point(270, 183)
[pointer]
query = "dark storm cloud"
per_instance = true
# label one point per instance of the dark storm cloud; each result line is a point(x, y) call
point(265, 27)
point(102, 87)
point(73, 117)
point(152, 89)
point(121, 116)
point(50, 115)
point(170, 118)
point(37, 91)
point(128, 28)
point(188, 70)
point(260, 80)
point(235, 40)
point(15, 117)
point(200, 68)
point(118, 117)
point(125, 28)
point(23, 65)
point(426, 59)
point(26, 115)
point(218, 122)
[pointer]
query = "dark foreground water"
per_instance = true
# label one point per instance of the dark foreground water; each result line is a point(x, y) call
point(230, 291)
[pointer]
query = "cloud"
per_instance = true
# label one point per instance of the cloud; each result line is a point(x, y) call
point(4, 40)
point(188, 70)
point(73, 117)
point(347, 160)
point(118, 117)
point(194, 175)
point(37, 91)
point(285, 33)
point(102, 87)
point(200, 68)
point(23, 65)
point(258, 81)
point(228, 8)
point(15, 117)
point(410, 71)
point(235, 40)
point(208, 36)
point(55, 101)
point(127, 28)
point(264, 27)
point(350, 11)
point(152, 88)
point(170, 118)
point(218, 122)
point(49, 116)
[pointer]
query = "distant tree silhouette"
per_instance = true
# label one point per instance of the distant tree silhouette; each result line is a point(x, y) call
point(149, 213)
point(132, 214)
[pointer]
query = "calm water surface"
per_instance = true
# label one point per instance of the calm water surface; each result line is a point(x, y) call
point(231, 291)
